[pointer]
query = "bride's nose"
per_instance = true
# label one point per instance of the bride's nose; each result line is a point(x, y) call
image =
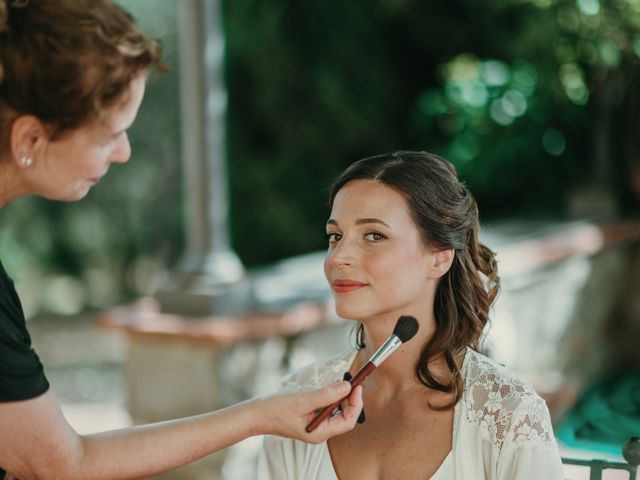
point(343, 253)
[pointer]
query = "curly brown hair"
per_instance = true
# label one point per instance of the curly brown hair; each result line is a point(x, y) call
point(446, 214)
point(64, 61)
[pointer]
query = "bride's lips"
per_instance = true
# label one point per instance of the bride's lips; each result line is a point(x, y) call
point(343, 286)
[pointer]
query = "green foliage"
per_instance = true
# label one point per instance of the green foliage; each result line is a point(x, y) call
point(502, 88)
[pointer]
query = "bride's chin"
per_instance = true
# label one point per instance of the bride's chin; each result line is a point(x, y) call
point(352, 313)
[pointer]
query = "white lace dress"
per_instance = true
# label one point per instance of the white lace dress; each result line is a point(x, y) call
point(501, 429)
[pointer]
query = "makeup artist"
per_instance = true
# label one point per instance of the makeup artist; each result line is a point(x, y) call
point(72, 76)
point(403, 240)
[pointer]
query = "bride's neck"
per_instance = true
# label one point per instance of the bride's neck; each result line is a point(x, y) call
point(397, 372)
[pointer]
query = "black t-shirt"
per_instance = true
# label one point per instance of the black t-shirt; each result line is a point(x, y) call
point(21, 373)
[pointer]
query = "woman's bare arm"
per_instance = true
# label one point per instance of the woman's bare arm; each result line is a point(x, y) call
point(39, 443)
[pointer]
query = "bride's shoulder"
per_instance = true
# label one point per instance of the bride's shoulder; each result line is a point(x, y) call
point(504, 406)
point(483, 374)
point(320, 373)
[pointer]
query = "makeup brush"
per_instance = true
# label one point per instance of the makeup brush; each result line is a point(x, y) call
point(405, 329)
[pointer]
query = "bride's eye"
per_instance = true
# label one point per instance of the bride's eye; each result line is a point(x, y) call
point(375, 237)
point(333, 237)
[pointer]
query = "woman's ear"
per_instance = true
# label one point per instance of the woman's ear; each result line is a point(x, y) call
point(28, 136)
point(441, 262)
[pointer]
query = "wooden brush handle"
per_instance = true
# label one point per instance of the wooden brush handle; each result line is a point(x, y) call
point(358, 379)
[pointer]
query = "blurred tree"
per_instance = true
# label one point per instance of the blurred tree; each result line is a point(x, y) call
point(529, 99)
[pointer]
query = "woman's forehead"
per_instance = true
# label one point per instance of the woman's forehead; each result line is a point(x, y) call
point(369, 199)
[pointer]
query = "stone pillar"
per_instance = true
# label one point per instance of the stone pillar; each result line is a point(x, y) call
point(210, 276)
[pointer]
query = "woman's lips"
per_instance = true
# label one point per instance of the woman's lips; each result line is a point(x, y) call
point(343, 286)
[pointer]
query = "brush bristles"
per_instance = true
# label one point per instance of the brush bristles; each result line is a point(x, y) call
point(406, 328)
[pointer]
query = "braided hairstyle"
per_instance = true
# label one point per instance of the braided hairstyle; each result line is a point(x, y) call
point(64, 61)
point(446, 214)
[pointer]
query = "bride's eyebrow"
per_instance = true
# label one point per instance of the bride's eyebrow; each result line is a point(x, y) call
point(360, 221)
point(365, 221)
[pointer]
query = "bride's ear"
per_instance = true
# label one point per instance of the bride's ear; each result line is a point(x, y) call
point(441, 262)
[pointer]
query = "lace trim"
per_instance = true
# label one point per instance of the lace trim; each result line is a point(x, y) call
point(505, 408)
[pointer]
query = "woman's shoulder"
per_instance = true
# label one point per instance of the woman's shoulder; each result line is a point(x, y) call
point(503, 406)
point(320, 373)
point(481, 372)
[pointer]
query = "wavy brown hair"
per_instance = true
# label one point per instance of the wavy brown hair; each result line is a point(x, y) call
point(64, 61)
point(446, 215)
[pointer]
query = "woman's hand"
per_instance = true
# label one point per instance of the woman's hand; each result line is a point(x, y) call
point(288, 414)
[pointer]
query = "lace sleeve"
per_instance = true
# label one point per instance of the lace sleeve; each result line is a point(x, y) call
point(318, 374)
point(530, 451)
point(531, 423)
point(506, 408)
point(514, 419)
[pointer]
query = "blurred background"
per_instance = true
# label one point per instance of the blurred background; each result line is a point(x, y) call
point(536, 103)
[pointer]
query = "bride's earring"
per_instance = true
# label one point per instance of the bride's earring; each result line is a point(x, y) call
point(25, 161)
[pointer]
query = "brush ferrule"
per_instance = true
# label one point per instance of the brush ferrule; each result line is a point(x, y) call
point(388, 347)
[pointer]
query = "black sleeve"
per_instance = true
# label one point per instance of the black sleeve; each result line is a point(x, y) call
point(21, 373)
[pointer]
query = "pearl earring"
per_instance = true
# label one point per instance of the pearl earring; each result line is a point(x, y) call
point(26, 160)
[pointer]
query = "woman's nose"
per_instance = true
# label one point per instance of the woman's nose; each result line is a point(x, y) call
point(343, 254)
point(122, 151)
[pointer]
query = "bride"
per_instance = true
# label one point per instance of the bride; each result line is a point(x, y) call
point(403, 240)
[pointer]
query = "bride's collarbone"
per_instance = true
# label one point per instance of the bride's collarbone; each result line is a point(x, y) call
point(396, 445)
